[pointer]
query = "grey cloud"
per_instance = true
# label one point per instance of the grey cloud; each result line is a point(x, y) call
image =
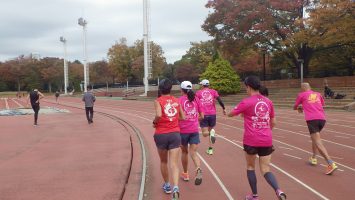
point(35, 26)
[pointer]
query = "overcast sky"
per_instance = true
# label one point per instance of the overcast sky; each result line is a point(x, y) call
point(34, 26)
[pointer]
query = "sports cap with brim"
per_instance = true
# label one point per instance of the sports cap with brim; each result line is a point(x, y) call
point(187, 85)
point(205, 82)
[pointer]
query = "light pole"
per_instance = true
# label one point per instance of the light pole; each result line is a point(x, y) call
point(83, 23)
point(301, 62)
point(62, 39)
point(147, 46)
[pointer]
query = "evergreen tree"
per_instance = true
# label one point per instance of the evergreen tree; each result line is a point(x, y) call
point(222, 76)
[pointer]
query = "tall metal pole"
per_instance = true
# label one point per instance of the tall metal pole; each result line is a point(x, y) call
point(83, 23)
point(145, 40)
point(62, 39)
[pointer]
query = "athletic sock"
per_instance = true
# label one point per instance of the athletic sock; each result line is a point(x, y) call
point(330, 162)
point(252, 181)
point(270, 178)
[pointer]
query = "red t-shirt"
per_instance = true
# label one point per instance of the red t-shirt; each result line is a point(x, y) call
point(169, 121)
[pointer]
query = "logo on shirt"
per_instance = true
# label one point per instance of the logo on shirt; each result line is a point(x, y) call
point(207, 98)
point(170, 109)
point(262, 115)
point(190, 109)
point(313, 98)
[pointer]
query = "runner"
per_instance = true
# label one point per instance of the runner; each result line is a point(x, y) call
point(34, 97)
point(189, 130)
point(167, 135)
point(207, 98)
point(312, 105)
point(259, 119)
point(89, 100)
point(56, 96)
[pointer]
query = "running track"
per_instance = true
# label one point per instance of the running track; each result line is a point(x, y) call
point(224, 172)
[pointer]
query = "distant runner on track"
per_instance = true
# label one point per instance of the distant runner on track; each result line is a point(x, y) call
point(89, 100)
point(56, 96)
point(190, 138)
point(259, 120)
point(312, 106)
point(34, 97)
point(167, 135)
point(208, 98)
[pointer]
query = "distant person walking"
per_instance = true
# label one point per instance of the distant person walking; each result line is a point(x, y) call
point(34, 97)
point(259, 120)
point(208, 98)
point(190, 138)
point(312, 106)
point(89, 100)
point(56, 96)
point(167, 135)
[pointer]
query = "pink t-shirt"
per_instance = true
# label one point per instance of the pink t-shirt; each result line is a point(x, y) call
point(312, 103)
point(191, 110)
point(207, 98)
point(258, 111)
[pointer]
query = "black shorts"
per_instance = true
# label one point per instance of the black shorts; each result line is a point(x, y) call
point(35, 107)
point(167, 141)
point(190, 138)
point(315, 126)
point(208, 121)
point(261, 151)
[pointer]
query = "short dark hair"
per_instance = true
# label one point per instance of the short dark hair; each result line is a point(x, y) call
point(165, 86)
point(253, 82)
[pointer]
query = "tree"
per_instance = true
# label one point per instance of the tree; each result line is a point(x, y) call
point(120, 60)
point(222, 77)
point(200, 54)
point(101, 72)
point(52, 72)
point(186, 71)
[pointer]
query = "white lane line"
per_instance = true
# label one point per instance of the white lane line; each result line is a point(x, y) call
point(7, 104)
point(338, 136)
point(333, 131)
point(229, 196)
point(292, 156)
point(281, 147)
point(289, 175)
point(17, 103)
point(278, 136)
point(343, 145)
point(341, 125)
point(345, 166)
point(327, 166)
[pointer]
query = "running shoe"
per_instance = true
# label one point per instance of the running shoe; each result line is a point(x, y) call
point(213, 136)
point(198, 178)
point(209, 151)
point(176, 193)
point(331, 168)
point(185, 176)
point(251, 197)
point(167, 188)
point(281, 195)
point(312, 161)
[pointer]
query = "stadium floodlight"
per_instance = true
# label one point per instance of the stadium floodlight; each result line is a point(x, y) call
point(64, 41)
point(82, 22)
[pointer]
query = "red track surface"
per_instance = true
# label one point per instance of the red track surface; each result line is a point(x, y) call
point(291, 139)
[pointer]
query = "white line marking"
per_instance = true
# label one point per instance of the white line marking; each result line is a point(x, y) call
point(289, 175)
point(17, 103)
point(203, 160)
point(281, 147)
point(292, 156)
point(229, 196)
point(7, 104)
point(345, 166)
point(330, 130)
point(338, 136)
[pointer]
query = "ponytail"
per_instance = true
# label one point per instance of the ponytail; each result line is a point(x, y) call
point(190, 95)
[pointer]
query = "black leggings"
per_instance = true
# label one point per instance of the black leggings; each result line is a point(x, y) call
point(36, 109)
point(89, 113)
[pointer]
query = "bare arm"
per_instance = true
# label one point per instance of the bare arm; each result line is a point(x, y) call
point(181, 114)
point(272, 123)
point(158, 113)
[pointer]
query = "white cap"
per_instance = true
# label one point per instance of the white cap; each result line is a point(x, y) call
point(205, 82)
point(187, 85)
